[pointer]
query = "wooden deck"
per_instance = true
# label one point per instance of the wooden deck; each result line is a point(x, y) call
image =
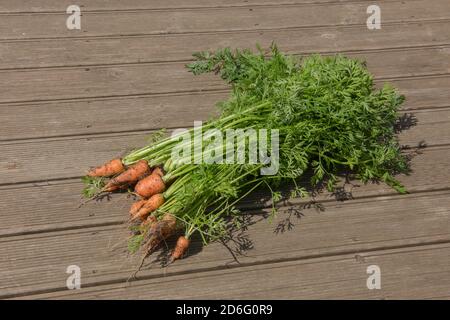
point(70, 99)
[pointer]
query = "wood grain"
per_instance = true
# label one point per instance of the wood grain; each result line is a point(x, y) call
point(68, 157)
point(53, 25)
point(150, 112)
point(159, 48)
point(409, 273)
point(143, 113)
point(52, 206)
point(14, 6)
point(36, 263)
point(143, 79)
point(56, 84)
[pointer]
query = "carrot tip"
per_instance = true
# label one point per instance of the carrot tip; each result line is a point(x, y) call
point(180, 248)
point(108, 169)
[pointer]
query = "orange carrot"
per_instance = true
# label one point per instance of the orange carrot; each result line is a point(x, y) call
point(135, 207)
point(148, 206)
point(130, 176)
point(111, 187)
point(109, 169)
point(138, 225)
point(180, 248)
point(150, 185)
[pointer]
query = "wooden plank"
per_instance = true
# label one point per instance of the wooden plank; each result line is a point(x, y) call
point(37, 263)
point(53, 25)
point(51, 206)
point(431, 128)
point(139, 79)
point(67, 157)
point(70, 83)
point(64, 118)
point(410, 273)
point(157, 48)
point(422, 93)
point(14, 6)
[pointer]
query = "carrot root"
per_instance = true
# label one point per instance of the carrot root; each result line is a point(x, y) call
point(149, 206)
point(180, 248)
point(109, 169)
point(130, 176)
point(150, 185)
point(135, 207)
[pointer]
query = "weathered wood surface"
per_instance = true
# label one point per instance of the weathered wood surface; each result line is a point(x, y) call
point(14, 6)
point(41, 203)
point(157, 48)
point(150, 112)
point(407, 273)
point(155, 78)
point(129, 58)
point(69, 157)
point(100, 24)
point(350, 227)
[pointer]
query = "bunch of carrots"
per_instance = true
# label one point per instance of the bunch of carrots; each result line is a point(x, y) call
point(173, 194)
point(330, 119)
point(149, 185)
